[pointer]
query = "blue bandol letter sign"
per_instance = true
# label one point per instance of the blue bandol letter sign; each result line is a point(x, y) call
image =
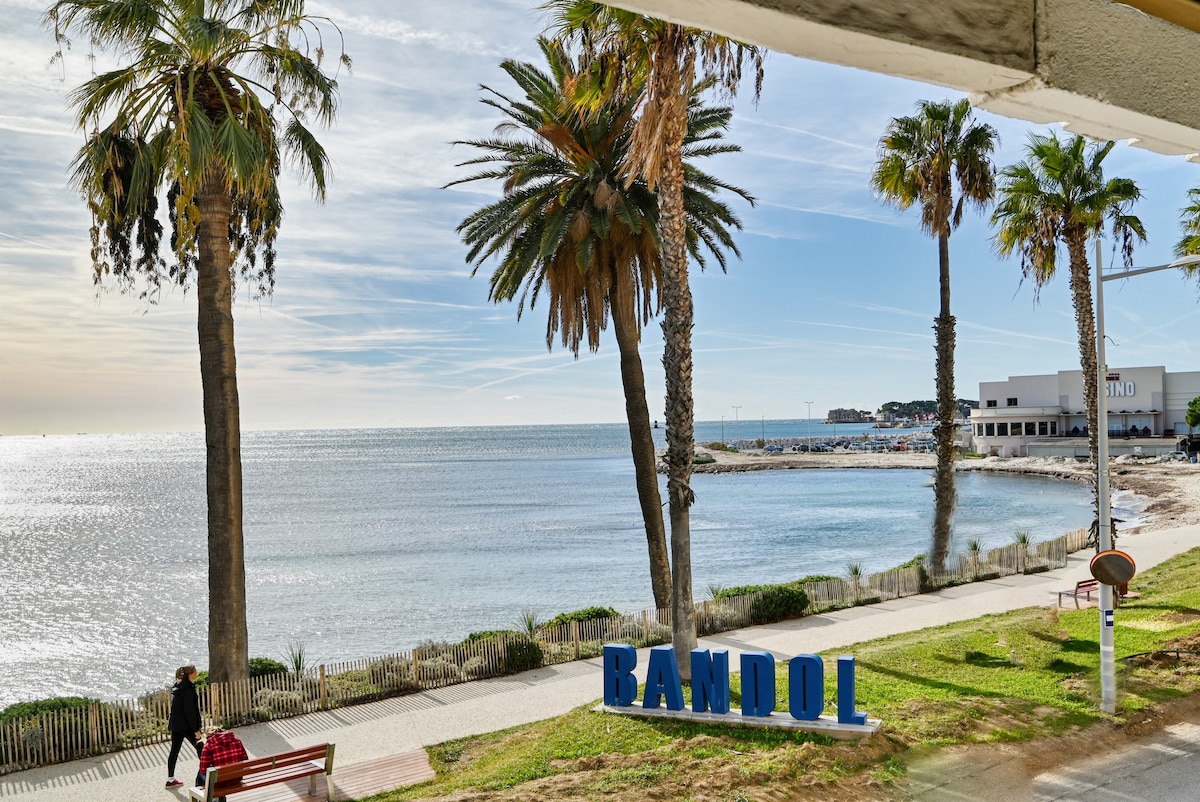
point(710, 689)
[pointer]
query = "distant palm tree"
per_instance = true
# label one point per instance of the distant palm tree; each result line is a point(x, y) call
point(569, 226)
point(670, 60)
point(1059, 194)
point(922, 159)
point(194, 114)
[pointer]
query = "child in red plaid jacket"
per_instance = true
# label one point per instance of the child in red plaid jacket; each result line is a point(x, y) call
point(221, 748)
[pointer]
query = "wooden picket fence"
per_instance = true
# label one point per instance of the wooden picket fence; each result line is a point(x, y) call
point(100, 727)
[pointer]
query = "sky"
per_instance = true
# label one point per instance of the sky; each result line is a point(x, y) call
point(377, 322)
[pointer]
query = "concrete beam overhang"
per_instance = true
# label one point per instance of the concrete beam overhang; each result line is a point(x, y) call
point(1107, 70)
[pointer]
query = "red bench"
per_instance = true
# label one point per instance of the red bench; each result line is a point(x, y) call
point(257, 772)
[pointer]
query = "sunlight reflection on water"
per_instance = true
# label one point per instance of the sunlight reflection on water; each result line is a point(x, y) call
point(365, 542)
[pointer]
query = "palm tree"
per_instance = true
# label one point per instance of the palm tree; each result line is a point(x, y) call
point(193, 115)
point(921, 160)
point(568, 225)
point(1189, 221)
point(1059, 194)
point(670, 60)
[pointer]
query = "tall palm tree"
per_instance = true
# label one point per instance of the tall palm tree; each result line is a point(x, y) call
point(921, 160)
point(213, 95)
point(670, 59)
point(570, 226)
point(1059, 194)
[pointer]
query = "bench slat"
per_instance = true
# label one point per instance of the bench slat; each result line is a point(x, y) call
point(268, 777)
point(281, 760)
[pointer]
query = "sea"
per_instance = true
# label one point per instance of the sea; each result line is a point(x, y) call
point(365, 542)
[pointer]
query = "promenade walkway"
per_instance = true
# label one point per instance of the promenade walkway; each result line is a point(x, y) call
point(373, 733)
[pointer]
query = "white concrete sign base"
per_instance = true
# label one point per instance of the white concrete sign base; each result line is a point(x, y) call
point(825, 725)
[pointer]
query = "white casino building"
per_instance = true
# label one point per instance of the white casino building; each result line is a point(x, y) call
point(1044, 415)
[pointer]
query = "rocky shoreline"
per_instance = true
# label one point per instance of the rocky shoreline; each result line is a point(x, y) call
point(1170, 490)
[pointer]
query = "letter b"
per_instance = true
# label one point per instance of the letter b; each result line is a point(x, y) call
point(620, 686)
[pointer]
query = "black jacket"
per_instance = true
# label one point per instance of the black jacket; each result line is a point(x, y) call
point(185, 708)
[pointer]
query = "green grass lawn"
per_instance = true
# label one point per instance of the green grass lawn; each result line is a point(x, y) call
point(1027, 674)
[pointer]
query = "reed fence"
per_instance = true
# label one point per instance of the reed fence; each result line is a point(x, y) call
point(106, 726)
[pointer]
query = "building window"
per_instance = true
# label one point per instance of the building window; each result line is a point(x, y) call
point(1002, 429)
point(1054, 427)
point(1043, 428)
point(990, 428)
point(1012, 402)
point(979, 430)
point(991, 403)
point(1030, 428)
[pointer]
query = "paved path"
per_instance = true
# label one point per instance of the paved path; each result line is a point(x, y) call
point(393, 726)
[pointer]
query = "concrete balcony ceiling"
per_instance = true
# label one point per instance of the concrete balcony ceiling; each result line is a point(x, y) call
point(1106, 70)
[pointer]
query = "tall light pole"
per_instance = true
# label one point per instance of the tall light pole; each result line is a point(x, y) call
point(1108, 680)
point(809, 425)
point(736, 430)
point(722, 430)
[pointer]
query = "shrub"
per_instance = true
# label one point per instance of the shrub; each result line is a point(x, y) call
point(586, 614)
point(439, 669)
point(818, 578)
point(918, 562)
point(522, 654)
point(476, 668)
point(431, 649)
point(392, 674)
point(26, 709)
point(265, 666)
point(285, 703)
point(778, 602)
point(489, 634)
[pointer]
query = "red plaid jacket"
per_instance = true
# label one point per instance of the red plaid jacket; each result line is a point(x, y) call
point(221, 748)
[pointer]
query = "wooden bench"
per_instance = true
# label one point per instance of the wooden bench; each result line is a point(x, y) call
point(257, 772)
point(1084, 588)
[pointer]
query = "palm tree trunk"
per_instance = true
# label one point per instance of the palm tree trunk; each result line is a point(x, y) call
point(1085, 322)
point(641, 438)
point(943, 433)
point(228, 650)
point(669, 88)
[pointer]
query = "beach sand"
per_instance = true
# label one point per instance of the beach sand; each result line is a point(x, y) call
point(1170, 491)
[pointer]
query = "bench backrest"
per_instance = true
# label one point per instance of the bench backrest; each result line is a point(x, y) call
point(1087, 584)
point(234, 771)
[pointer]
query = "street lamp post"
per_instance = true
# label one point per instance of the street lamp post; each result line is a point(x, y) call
point(736, 429)
point(722, 430)
point(809, 419)
point(1108, 681)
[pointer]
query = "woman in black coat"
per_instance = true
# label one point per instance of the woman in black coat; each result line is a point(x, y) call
point(184, 722)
